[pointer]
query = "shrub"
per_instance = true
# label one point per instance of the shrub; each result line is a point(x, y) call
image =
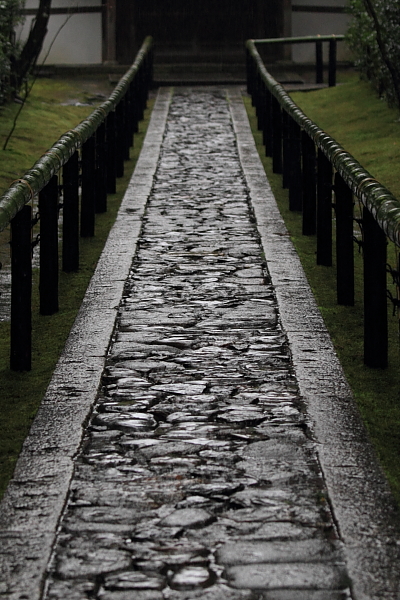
point(374, 38)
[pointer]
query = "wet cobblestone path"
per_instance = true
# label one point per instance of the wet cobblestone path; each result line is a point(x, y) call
point(198, 476)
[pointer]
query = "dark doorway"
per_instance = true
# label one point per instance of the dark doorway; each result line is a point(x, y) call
point(198, 28)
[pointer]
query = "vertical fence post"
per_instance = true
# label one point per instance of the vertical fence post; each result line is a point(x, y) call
point(319, 65)
point(285, 149)
point(142, 91)
point(88, 187)
point(295, 187)
point(249, 73)
point(125, 124)
point(48, 276)
point(261, 116)
point(21, 290)
point(259, 106)
point(267, 133)
point(111, 153)
point(276, 136)
point(332, 63)
point(344, 242)
point(100, 181)
point(375, 300)
point(252, 82)
point(120, 139)
point(265, 116)
point(130, 116)
point(324, 210)
point(309, 185)
point(134, 106)
point(70, 241)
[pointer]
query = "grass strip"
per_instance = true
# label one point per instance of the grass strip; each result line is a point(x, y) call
point(350, 114)
point(21, 393)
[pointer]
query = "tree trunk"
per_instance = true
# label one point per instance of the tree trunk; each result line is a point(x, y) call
point(33, 45)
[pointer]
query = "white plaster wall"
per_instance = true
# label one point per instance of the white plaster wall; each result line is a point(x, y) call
point(73, 40)
point(305, 23)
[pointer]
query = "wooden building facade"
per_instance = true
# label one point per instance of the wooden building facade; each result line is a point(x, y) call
point(110, 31)
point(194, 27)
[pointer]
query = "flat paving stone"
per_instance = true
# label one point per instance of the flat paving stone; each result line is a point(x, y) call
point(299, 576)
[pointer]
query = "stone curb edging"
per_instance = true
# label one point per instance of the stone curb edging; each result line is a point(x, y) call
point(359, 493)
point(35, 498)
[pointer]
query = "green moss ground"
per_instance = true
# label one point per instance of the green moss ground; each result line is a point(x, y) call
point(44, 121)
point(370, 131)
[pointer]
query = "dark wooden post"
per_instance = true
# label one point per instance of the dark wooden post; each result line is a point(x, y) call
point(309, 185)
point(265, 116)
point(259, 102)
point(375, 300)
point(261, 106)
point(111, 153)
point(319, 65)
point(130, 128)
point(109, 31)
point(125, 127)
point(48, 277)
point(21, 291)
point(344, 242)
point(267, 133)
point(285, 149)
point(70, 241)
point(249, 73)
point(88, 187)
point(120, 139)
point(276, 136)
point(100, 180)
point(134, 106)
point(324, 210)
point(295, 185)
point(332, 63)
point(142, 91)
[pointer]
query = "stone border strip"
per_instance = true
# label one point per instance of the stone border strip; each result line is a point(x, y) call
point(362, 503)
point(36, 496)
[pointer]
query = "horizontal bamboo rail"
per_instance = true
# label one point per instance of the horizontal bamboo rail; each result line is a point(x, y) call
point(87, 159)
point(384, 207)
point(34, 180)
point(314, 165)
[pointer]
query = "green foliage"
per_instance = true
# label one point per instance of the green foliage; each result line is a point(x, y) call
point(10, 16)
point(373, 36)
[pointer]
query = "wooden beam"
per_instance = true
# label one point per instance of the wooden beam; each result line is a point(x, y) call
point(109, 31)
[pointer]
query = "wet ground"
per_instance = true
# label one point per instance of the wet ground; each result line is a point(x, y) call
point(201, 473)
point(198, 477)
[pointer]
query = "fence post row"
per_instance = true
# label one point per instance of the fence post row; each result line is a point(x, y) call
point(324, 210)
point(310, 161)
point(105, 146)
point(70, 234)
point(344, 242)
point(375, 300)
point(21, 290)
point(48, 271)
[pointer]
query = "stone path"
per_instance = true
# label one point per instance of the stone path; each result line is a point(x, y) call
point(197, 473)
point(200, 473)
